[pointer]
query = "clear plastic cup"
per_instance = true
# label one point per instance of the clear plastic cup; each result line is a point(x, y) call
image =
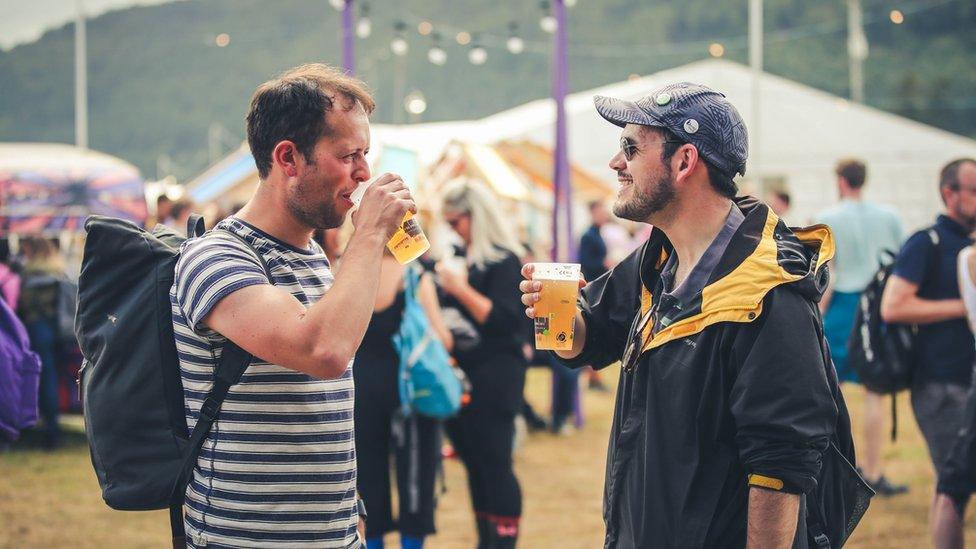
point(555, 312)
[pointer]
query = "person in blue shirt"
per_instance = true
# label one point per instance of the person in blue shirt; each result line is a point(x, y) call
point(863, 230)
point(923, 290)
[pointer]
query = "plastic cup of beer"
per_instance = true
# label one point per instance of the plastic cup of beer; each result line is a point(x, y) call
point(409, 241)
point(555, 312)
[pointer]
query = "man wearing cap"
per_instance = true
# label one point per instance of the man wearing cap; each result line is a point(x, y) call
point(727, 404)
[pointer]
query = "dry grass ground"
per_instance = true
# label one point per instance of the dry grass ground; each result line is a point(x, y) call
point(52, 499)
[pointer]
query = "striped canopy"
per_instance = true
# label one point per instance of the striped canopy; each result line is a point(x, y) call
point(46, 187)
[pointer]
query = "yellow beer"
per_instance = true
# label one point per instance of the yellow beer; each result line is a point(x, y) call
point(409, 241)
point(555, 312)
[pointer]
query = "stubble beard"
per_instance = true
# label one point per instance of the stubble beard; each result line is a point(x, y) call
point(643, 203)
point(311, 206)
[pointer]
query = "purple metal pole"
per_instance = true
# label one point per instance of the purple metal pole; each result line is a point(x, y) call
point(564, 249)
point(564, 245)
point(348, 38)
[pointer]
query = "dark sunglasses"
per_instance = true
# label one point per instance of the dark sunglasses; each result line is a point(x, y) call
point(453, 222)
point(630, 149)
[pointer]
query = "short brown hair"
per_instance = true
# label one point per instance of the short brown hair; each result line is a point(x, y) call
point(293, 107)
point(852, 170)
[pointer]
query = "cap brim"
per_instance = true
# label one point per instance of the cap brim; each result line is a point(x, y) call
point(620, 112)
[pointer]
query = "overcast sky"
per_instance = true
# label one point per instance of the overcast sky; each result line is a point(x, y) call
point(25, 20)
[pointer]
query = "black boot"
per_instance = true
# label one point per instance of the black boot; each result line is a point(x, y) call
point(504, 534)
point(484, 533)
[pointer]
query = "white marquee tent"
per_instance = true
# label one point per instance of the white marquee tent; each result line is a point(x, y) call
point(802, 133)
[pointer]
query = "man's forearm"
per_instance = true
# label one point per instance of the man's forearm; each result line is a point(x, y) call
point(916, 310)
point(340, 318)
point(579, 339)
point(772, 519)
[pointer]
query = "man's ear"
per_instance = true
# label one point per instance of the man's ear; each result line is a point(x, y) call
point(685, 160)
point(285, 155)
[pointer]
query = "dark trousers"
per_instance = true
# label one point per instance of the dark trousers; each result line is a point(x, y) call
point(415, 445)
point(483, 438)
point(565, 386)
point(43, 339)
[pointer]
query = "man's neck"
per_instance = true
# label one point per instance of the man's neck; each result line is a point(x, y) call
point(851, 194)
point(967, 223)
point(266, 212)
point(693, 228)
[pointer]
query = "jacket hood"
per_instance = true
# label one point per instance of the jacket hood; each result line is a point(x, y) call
point(763, 254)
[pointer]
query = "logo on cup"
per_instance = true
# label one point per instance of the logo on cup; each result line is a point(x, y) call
point(411, 227)
point(561, 337)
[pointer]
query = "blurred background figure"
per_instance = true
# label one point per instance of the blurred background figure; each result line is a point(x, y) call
point(164, 210)
point(862, 231)
point(381, 430)
point(38, 307)
point(9, 278)
point(487, 294)
point(779, 202)
point(180, 214)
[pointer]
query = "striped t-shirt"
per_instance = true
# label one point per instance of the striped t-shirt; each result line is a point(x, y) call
point(278, 468)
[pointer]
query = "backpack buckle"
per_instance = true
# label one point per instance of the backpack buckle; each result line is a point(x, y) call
point(209, 410)
point(822, 541)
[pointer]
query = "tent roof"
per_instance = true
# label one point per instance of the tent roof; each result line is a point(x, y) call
point(56, 157)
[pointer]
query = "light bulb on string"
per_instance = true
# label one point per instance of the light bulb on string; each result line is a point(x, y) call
point(569, 3)
point(436, 53)
point(364, 27)
point(515, 44)
point(339, 5)
point(477, 55)
point(415, 103)
point(399, 45)
point(548, 23)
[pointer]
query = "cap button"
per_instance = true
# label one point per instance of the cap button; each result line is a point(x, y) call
point(663, 99)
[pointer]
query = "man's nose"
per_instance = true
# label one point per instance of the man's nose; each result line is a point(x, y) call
point(361, 172)
point(617, 162)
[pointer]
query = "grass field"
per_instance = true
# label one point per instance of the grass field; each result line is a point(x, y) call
point(52, 499)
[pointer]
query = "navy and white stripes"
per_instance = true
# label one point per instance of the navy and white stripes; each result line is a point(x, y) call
point(279, 466)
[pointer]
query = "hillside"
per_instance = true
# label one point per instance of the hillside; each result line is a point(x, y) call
point(157, 81)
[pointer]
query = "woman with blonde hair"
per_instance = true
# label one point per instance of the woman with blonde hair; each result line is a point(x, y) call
point(488, 296)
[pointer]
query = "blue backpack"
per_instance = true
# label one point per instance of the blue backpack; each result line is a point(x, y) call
point(427, 382)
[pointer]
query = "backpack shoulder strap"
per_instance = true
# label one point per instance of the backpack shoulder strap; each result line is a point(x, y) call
point(195, 227)
point(233, 362)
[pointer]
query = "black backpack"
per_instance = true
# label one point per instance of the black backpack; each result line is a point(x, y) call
point(130, 384)
point(883, 354)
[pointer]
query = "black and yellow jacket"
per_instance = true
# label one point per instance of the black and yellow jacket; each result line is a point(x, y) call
point(736, 390)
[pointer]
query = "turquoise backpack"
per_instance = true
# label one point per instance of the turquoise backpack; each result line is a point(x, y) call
point(428, 384)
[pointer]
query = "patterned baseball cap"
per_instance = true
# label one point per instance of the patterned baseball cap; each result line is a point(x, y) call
point(696, 114)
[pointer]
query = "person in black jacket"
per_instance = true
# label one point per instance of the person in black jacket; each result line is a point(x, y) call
point(727, 404)
point(488, 296)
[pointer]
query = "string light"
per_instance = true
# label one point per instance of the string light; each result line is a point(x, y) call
point(477, 55)
point(548, 23)
point(436, 53)
point(897, 17)
point(364, 27)
point(222, 40)
point(339, 5)
point(425, 28)
point(399, 45)
point(515, 44)
point(570, 3)
point(415, 103)
point(463, 38)
point(716, 50)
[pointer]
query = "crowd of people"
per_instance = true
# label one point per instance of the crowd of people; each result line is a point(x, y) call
point(728, 405)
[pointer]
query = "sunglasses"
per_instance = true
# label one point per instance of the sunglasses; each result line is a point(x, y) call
point(630, 149)
point(454, 221)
